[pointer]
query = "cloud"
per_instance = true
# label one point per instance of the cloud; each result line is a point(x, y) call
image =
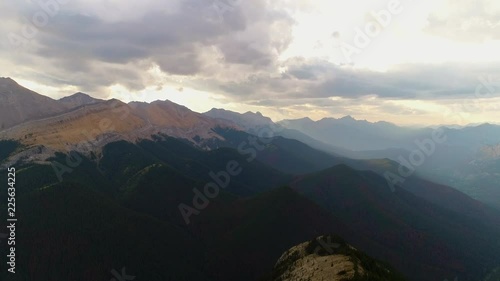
point(277, 55)
point(186, 38)
point(304, 79)
point(466, 20)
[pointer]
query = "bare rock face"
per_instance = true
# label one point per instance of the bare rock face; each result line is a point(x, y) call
point(35, 154)
point(82, 123)
point(329, 258)
point(95, 125)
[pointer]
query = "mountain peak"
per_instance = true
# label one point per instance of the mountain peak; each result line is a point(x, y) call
point(79, 94)
point(19, 104)
point(297, 123)
point(304, 119)
point(171, 105)
point(347, 118)
point(79, 99)
point(217, 110)
point(257, 114)
point(8, 80)
point(76, 95)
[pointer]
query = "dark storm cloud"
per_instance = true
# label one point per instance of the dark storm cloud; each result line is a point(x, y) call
point(174, 42)
point(235, 54)
point(182, 41)
point(316, 79)
point(244, 53)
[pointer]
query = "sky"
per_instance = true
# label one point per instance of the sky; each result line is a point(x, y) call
point(408, 62)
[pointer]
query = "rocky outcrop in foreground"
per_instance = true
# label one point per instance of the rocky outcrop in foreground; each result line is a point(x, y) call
point(330, 258)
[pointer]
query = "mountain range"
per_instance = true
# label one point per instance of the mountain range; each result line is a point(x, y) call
point(467, 159)
point(171, 194)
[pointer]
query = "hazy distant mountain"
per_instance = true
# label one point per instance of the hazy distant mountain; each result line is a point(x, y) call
point(374, 138)
point(18, 104)
point(249, 121)
point(253, 122)
point(256, 123)
point(404, 223)
point(352, 134)
point(466, 160)
point(284, 154)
